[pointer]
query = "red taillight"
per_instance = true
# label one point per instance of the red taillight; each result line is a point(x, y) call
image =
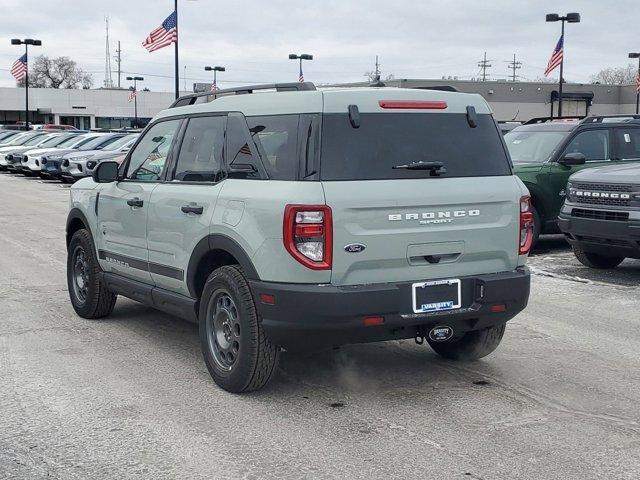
point(413, 104)
point(526, 226)
point(308, 235)
point(498, 308)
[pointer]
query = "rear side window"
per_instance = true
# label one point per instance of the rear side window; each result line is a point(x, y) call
point(276, 138)
point(628, 143)
point(385, 140)
point(200, 158)
point(243, 159)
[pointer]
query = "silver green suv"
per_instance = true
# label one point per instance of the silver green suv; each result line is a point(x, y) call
point(281, 216)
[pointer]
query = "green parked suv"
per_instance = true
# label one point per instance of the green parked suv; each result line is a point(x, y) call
point(546, 153)
point(283, 216)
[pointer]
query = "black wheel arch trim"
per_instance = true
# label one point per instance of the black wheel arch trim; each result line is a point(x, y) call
point(76, 214)
point(218, 242)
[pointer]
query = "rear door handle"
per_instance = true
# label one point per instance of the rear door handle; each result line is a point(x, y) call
point(195, 209)
point(135, 202)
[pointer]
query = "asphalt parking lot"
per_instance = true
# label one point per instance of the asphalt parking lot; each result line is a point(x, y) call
point(129, 396)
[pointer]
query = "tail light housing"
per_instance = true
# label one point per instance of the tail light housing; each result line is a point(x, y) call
point(308, 235)
point(526, 226)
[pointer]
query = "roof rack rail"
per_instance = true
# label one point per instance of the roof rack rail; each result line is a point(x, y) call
point(443, 88)
point(204, 97)
point(603, 118)
point(550, 119)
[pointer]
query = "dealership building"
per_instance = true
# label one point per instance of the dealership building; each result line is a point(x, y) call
point(84, 109)
point(110, 108)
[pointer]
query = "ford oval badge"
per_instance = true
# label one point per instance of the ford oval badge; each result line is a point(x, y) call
point(354, 248)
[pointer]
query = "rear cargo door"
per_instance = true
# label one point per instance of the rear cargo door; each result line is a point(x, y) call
point(403, 224)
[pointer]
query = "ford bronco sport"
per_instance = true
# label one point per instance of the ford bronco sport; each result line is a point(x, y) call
point(546, 152)
point(282, 216)
point(601, 216)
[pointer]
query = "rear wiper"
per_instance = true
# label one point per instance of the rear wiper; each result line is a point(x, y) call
point(435, 168)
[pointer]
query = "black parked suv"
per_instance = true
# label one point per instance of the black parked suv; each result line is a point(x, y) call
point(601, 215)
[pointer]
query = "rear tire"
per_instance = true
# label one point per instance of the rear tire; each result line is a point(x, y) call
point(238, 355)
point(472, 345)
point(89, 295)
point(594, 260)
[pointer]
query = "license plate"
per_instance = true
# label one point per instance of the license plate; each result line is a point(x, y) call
point(436, 296)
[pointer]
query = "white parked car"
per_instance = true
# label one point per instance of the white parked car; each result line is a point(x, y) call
point(31, 160)
point(21, 143)
point(81, 164)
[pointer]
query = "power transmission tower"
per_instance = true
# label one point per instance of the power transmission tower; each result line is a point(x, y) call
point(513, 66)
point(118, 61)
point(484, 64)
point(108, 81)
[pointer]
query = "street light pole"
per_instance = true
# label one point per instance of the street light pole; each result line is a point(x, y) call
point(301, 57)
point(215, 70)
point(637, 85)
point(135, 97)
point(570, 18)
point(26, 42)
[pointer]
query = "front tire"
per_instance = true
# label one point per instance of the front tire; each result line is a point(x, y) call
point(89, 295)
point(472, 345)
point(594, 260)
point(238, 355)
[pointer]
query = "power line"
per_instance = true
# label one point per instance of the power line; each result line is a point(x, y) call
point(484, 64)
point(513, 66)
point(118, 58)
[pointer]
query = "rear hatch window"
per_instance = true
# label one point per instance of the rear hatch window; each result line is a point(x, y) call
point(385, 140)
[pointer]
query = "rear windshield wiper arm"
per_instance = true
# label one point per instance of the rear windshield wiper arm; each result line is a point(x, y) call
point(436, 168)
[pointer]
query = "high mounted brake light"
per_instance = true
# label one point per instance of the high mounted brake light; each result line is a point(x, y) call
point(413, 104)
point(308, 235)
point(526, 226)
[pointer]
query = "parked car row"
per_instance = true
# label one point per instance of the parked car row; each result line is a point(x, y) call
point(584, 179)
point(62, 155)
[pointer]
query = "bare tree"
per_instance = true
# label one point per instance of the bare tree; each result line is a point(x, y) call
point(373, 77)
point(616, 76)
point(59, 72)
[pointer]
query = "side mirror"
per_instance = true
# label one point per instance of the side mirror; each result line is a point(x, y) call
point(570, 159)
point(106, 172)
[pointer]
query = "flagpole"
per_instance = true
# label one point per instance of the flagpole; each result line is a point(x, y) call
point(26, 86)
point(177, 69)
point(561, 70)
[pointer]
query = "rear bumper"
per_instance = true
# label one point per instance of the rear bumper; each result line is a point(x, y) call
point(329, 315)
point(606, 237)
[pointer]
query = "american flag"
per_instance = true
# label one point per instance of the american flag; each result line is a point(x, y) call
point(556, 57)
point(19, 68)
point(132, 95)
point(214, 87)
point(164, 35)
point(301, 78)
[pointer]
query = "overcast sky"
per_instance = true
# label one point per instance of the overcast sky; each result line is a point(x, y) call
point(419, 39)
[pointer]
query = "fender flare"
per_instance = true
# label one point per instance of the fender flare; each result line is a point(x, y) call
point(218, 242)
point(76, 214)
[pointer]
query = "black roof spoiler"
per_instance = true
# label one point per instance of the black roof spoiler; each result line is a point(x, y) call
point(204, 97)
